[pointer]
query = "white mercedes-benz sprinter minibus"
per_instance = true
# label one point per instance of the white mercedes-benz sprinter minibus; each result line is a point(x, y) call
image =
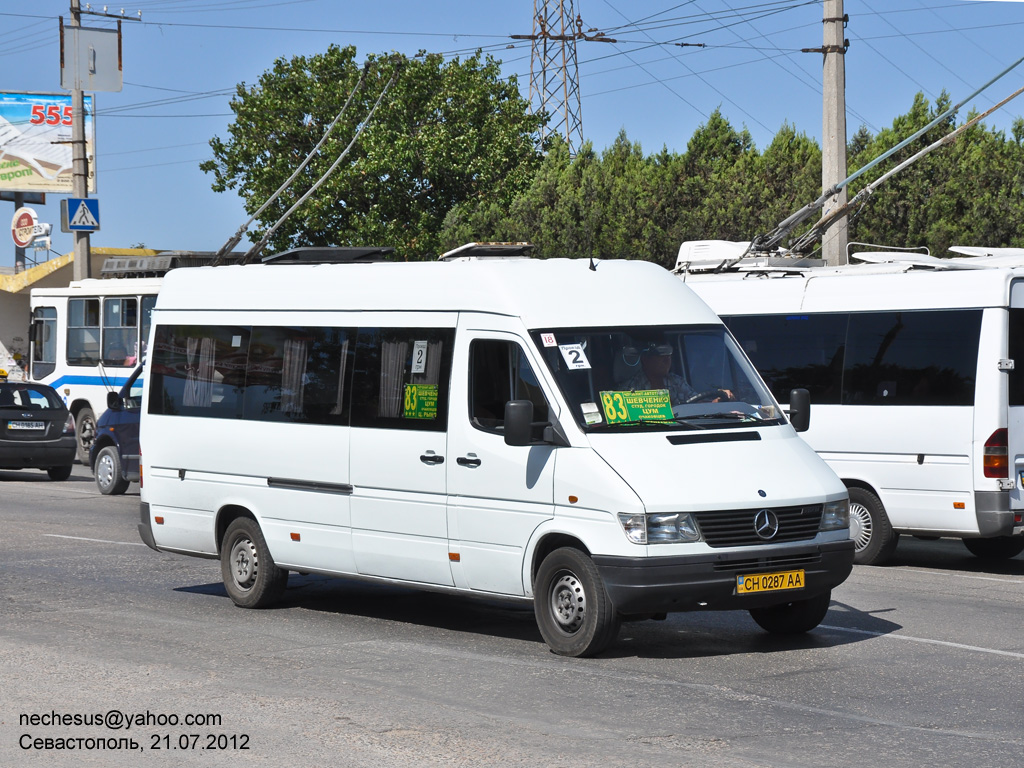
point(583, 435)
point(915, 367)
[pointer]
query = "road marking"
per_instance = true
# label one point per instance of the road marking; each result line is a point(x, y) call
point(923, 640)
point(1009, 580)
point(100, 541)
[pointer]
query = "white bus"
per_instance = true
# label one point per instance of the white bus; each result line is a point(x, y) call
point(581, 435)
point(85, 341)
point(915, 366)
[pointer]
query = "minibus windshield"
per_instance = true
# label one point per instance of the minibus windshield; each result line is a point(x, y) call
point(655, 378)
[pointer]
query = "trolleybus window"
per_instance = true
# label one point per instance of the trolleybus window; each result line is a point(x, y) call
point(83, 331)
point(44, 341)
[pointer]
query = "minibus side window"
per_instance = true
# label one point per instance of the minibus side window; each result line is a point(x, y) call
point(298, 375)
point(791, 351)
point(912, 358)
point(401, 378)
point(498, 372)
point(1016, 353)
point(199, 371)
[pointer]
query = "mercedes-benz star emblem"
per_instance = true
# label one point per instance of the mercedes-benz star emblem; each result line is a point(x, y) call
point(766, 524)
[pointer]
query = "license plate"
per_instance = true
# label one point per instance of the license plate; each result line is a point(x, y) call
point(26, 425)
point(769, 582)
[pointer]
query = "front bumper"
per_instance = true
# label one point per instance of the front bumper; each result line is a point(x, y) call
point(639, 585)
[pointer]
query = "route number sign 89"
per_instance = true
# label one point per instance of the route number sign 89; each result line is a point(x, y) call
point(51, 114)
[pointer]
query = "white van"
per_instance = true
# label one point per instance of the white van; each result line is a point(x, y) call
point(915, 367)
point(485, 427)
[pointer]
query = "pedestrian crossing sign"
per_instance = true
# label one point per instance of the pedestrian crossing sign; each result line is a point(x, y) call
point(80, 214)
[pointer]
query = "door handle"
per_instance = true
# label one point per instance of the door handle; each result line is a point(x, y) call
point(432, 458)
point(465, 461)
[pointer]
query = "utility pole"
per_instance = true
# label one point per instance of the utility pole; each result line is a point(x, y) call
point(554, 74)
point(79, 164)
point(833, 127)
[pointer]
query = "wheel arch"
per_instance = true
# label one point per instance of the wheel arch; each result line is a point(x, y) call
point(226, 515)
point(850, 482)
point(99, 443)
point(547, 544)
point(76, 406)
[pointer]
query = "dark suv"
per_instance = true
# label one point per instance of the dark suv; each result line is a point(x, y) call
point(114, 455)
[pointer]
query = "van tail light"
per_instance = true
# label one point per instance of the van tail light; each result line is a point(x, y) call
point(69, 425)
point(996, 460)
point(140, 467)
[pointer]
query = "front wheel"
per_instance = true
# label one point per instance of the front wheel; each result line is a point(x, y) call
point(996, 548)
point(794, 617)
point(574, 613)
point(108, 472)
point(85, 430)
point(59, 473)
point(250, 576)
point(873, 537)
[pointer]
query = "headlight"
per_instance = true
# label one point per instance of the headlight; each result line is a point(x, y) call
point(660, 528)
point(835, 516)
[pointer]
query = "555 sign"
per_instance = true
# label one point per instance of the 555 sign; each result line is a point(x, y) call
point(35, 142)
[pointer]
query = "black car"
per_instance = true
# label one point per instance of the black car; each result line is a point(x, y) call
point(114, 454)
point(36, 430)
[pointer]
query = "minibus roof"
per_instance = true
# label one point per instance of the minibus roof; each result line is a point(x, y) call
point(865, 287)
point(545, 293)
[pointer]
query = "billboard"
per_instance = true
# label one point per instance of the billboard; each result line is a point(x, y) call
point(35, 142)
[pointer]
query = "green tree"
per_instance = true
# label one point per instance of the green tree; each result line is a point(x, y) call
point(964, 193)
point(446, 132)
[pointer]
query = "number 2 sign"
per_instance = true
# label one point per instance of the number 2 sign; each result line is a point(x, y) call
point(574, 356)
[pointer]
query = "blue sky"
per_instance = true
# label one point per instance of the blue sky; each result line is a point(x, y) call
point(184, 59)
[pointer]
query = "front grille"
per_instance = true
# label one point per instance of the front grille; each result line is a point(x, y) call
point(735, 527)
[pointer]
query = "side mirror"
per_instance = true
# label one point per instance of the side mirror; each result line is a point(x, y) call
point(800, 409)
point(113, 401)
point(518, 422)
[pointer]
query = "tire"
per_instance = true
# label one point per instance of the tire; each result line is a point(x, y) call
point(574, 613)
point(85, 431)
point(794, 617)
point(59, 473)
point(109, 479)
point(250, 576)
point(873, 537)
point(996, 548)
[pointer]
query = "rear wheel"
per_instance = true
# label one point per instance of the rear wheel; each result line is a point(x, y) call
point(574, 613)
point(873, 537)
point(59, 473)
point(250, 576)
point(108, 472)
point(997, 548)
point(794, 617)
point(85, 430)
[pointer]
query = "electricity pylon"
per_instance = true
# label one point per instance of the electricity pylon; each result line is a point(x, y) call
point(554, 75)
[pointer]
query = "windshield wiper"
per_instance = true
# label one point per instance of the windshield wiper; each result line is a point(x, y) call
point(730, 416)
point(676, 421)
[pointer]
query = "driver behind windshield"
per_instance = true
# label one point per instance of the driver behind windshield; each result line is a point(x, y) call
point(656, 373)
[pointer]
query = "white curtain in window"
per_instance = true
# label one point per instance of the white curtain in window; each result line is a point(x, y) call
point(336, 410)
point(393, 355)
point(191, 394)
point(293, 375)
point(204, 393)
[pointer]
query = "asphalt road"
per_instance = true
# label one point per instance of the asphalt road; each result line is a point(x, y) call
point(920, 663)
